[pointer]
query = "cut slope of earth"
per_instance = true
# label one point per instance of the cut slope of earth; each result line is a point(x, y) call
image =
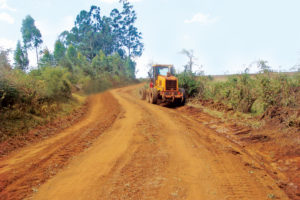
point(24, 170)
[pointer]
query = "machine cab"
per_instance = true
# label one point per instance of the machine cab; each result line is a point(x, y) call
point(163, 78)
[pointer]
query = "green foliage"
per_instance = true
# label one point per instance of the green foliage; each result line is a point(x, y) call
point(110, 34)
point(254, 93)
point(56, 82)
point(189, 82)
point(130, 37)
point(47, 59)
point(90, 58)
point(21, 57)
point(59, 51)
point(72, 55)
point(46, 84)
point(8, 93)
point(32, 37)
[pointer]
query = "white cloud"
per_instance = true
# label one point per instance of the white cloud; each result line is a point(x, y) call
point(201, 18)
point(6, 18)
point(7, 44)
point(5, 6)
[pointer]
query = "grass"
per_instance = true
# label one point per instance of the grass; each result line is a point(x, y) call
point(17, 122)
point(243, 119)
point(248, 95)
point(223, 78)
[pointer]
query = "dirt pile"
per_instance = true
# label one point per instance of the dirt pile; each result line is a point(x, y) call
point(289, 117)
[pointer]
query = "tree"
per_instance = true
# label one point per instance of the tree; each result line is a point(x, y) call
point(21, 57)
point(4, 61)
point(47, 58)
point(72, 56)
point(116, 24)
point(86, 35)
point(263, 66)
point(129, 34)
point(59, 51)
point(114, 33)
point(32, 37)
point(191, 59)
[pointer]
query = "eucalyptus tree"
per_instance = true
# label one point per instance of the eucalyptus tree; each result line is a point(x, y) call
point(20, 57)
point(32, 37)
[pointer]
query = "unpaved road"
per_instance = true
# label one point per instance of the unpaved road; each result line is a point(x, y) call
point(136, 151)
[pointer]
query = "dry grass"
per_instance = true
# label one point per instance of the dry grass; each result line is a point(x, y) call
point(15, 122)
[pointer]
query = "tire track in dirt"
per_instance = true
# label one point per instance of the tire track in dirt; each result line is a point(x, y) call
point(239, 175)
point(23, 171)
point(154, 152)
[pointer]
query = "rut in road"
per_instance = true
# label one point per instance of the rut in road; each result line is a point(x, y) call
point(153, 152)
point(22, 172)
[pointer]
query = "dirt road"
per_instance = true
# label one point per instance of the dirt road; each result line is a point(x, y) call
point(136, 151)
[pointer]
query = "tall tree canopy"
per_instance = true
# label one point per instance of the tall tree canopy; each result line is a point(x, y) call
point(32, 37)
point(111, 34)
point(59, 51)
point(130, 37)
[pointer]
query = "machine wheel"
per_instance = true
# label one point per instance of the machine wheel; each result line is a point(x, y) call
point(142, 93)
point(153, 96)
point(182, 102)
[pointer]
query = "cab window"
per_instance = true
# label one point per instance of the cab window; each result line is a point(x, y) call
point(163, 71)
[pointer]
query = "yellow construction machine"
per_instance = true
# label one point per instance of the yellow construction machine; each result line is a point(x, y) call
point(163, 86)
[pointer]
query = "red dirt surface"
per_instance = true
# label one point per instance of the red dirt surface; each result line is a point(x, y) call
point(274, 146)
point(22, 171)
point(125, 148)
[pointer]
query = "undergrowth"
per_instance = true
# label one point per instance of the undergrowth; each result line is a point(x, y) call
point(17, 121)
point(249, 94)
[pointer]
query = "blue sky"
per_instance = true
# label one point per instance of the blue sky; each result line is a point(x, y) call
point(226, 36)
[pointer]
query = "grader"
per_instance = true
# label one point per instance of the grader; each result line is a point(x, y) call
point(163, 87)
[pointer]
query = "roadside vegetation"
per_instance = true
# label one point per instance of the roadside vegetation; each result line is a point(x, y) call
point(96, 54)
point(266, 94)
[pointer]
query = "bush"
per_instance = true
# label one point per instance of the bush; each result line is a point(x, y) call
point(247, 93)
point(57, 83)
point(189, 83)
point(9, 95)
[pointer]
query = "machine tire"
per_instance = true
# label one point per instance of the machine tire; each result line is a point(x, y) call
point(153, 96)
point(142, 93)
point(182, 102)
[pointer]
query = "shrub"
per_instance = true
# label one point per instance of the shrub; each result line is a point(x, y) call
point(56, 80)
point(189, 82)
point(254, 93)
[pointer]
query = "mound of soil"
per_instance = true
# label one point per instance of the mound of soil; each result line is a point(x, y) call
point(282, 115)
point(214, 105)
point(256, 138)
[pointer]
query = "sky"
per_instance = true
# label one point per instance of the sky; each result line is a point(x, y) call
point(226, 36)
